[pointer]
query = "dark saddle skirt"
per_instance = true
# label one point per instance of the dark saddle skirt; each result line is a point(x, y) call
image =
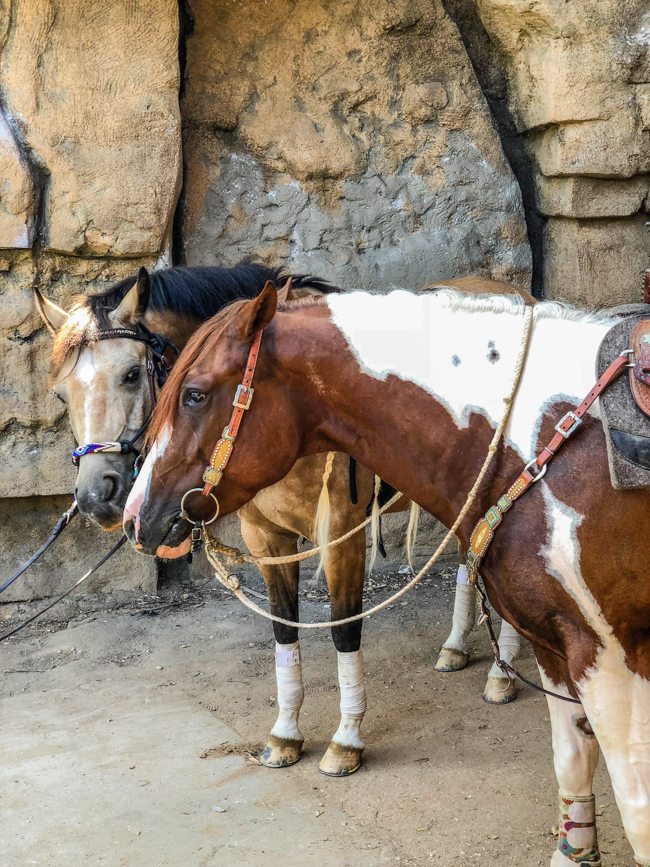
point(625, 405)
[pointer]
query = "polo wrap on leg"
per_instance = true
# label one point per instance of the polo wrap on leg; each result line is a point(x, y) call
point(353, 692)
point(288, 673)
point(464, 618)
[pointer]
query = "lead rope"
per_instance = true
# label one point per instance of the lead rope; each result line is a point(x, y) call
point(232, 582)
point(59, 527)
point(83, 578)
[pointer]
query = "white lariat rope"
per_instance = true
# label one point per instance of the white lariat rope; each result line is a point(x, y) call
point(232, 582)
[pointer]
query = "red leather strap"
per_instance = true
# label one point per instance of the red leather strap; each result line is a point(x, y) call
point(568, 425)
point(224, 447)
point(483, 532)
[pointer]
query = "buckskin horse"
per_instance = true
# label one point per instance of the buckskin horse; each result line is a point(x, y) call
point(412, 386)
point(100, 371)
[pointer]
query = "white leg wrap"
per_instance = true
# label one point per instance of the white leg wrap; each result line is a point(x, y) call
point(509, 647)
point(353, 699)
point(464, 613)
point(288, 673)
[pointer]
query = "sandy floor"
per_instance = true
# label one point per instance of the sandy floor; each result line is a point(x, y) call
point(129, 736)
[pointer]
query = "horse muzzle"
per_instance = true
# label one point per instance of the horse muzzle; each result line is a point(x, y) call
point(166, 538)
point(102, 487)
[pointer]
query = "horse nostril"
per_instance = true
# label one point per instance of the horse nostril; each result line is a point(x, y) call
point(112, 487)
point(129, 530)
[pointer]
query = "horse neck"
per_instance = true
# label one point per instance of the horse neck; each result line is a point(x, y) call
point(418, 401)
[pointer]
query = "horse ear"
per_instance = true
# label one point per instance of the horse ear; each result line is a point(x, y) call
point(144, 291)
point(284, 293)
point(134, 304)
point(52, 315)
point(256, 314)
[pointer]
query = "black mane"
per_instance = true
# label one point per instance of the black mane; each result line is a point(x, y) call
point(201, 292)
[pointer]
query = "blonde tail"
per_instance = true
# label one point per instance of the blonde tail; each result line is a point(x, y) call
point(323, 516)
point(412, 533)
point(374, 524)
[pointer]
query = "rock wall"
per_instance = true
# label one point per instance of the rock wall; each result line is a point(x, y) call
point(579, 94)
point(90, 171)
point(350, 140)
point(371, 143)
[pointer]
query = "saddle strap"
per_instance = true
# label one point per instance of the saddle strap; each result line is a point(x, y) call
point(483, 532)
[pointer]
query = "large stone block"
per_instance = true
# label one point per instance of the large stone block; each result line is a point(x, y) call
point(619, 148)
point(583, 197)
point(26, 524)
point(596, 263)
point(569, 62)
point(352, 142)
point(93, 95)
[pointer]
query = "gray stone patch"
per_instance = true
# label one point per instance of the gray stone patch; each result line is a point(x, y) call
point(373, 231)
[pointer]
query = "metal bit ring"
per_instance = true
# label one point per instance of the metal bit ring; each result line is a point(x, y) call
point(186, 516)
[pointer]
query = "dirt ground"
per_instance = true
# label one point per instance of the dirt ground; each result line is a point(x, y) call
point(129, 737)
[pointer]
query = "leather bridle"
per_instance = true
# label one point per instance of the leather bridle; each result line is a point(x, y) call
point(223, 449)
point(157, 367)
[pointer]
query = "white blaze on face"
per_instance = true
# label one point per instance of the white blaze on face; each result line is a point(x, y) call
point(140, 488)
point(100, 407)
point(466, 358)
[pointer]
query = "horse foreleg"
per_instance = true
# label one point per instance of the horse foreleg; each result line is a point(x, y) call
point(575, 756)
point(500, 689)
point(344, 570)
point(454, 654)
point(284, 745)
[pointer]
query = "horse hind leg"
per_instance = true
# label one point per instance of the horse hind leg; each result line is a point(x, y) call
point(500, 689)
point(454, 653)
point(344, 570)
point(575, 756)
point(617, 703)
point(284, 745)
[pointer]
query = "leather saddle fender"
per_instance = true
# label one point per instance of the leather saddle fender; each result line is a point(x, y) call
point(640, 373)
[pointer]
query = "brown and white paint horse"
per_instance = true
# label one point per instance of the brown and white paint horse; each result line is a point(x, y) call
point(412, 386)
point(104, 386)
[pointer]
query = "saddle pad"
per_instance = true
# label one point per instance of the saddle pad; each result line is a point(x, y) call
point(627, 429)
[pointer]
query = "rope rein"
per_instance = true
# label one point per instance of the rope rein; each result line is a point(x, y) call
point(213, 548)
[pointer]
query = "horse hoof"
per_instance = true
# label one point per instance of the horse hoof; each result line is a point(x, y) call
point(280, 752)
point(451, 660)
point(340, 761)
point(499, 690)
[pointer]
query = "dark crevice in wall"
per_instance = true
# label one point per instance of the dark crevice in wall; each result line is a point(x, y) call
point(185, 31)
point(490, 70)
point(41, 181)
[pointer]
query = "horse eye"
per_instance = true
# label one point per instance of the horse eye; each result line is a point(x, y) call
point(194, 398)
point(133, 375)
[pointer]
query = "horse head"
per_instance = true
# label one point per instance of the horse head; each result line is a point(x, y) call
point(104, 385)
point(195, 406)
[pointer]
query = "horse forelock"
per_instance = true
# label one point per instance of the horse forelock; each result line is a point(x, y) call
point(80, 329)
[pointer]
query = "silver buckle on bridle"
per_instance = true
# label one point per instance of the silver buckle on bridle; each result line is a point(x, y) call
point(567, 433)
